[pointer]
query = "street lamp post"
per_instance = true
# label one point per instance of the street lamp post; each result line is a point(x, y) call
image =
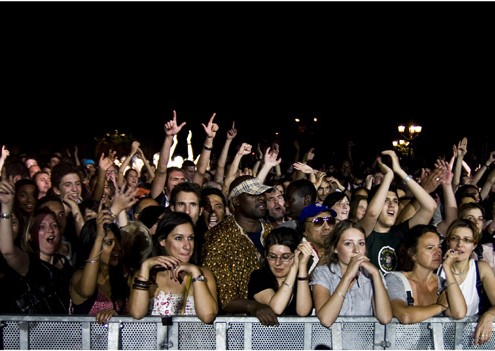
point(408, 134)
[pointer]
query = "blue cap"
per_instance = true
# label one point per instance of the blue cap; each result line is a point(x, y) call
point(88, 161)
point(313, 210)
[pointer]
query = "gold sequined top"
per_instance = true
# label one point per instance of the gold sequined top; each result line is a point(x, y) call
point(231, 256)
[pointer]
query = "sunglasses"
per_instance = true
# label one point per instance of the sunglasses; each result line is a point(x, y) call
point(318, 221)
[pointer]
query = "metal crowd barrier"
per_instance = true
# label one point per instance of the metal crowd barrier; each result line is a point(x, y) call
point(233, 333)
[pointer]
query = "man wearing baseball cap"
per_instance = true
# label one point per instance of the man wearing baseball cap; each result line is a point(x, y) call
point(233, 248)
point(316, 222)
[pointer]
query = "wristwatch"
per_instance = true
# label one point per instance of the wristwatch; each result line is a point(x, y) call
point(199, 278)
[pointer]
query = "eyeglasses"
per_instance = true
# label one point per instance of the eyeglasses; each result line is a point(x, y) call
point(284, 258)
point(456, 239)
point(318, 221)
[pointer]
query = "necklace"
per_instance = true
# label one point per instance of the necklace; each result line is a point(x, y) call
point(461, 273)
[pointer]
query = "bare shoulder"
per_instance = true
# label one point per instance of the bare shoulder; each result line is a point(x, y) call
point(485, 270)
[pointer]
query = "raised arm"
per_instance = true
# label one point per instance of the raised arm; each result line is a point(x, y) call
point(190, 153)
point(378, 201)
point(271, 159)
point(477, 176)
point(449, 202)
point(426, 202)
point(461, 152)
point(211, 130)
point(134, 147)
point(3, 157)
point(308, 156)
point(16, 258)
point(171, 129)
point(104, 164)
point(490, 180)
point(245, 149)
point(222, 160)
point(149, 167)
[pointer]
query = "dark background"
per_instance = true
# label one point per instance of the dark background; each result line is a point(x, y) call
point(74, 71)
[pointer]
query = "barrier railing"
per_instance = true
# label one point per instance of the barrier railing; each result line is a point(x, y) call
point(233, 333)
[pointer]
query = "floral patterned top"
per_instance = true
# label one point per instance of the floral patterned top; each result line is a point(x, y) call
point(168, 304)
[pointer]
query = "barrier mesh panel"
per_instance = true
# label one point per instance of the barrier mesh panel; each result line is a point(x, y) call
point(413, 337)
point(99, 336)
point(196, 336)
point(139, 336)
point(55, 335)
point(285, 336)
point(11, 336)
point(358, 336)
point(321, 337)
point(235, 336)
point(449, 335)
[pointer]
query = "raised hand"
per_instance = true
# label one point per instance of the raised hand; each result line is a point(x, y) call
point(462, 147)
point(211, 128)
point(395, 159)
point(271, 157)
point(245, 149)
point(7, 192)
point(303, 167)
point(135, 146)
point(5, 152)
point(171, 127)
point(232, 132)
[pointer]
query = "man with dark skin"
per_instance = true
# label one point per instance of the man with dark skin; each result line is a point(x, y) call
point(300, 193)
point(233, 248)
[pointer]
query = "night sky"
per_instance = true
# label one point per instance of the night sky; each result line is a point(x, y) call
point(83, 69)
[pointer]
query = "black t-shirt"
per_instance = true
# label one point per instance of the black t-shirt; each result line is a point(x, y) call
point(44, 290)
point(262, 279)
point(382, 247)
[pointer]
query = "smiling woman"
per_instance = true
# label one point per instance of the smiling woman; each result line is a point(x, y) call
point(176, 286)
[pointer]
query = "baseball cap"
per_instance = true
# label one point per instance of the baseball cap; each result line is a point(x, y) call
point(252, 186)
point(88, 161)
point(314, 210)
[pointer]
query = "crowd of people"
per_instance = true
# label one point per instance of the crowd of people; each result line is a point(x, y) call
point(209, 236)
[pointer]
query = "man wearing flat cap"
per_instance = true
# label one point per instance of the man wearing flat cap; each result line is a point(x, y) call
point(233, 248)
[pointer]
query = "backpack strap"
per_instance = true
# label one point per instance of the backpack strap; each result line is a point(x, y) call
point(479, 284)
point(407, 285)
